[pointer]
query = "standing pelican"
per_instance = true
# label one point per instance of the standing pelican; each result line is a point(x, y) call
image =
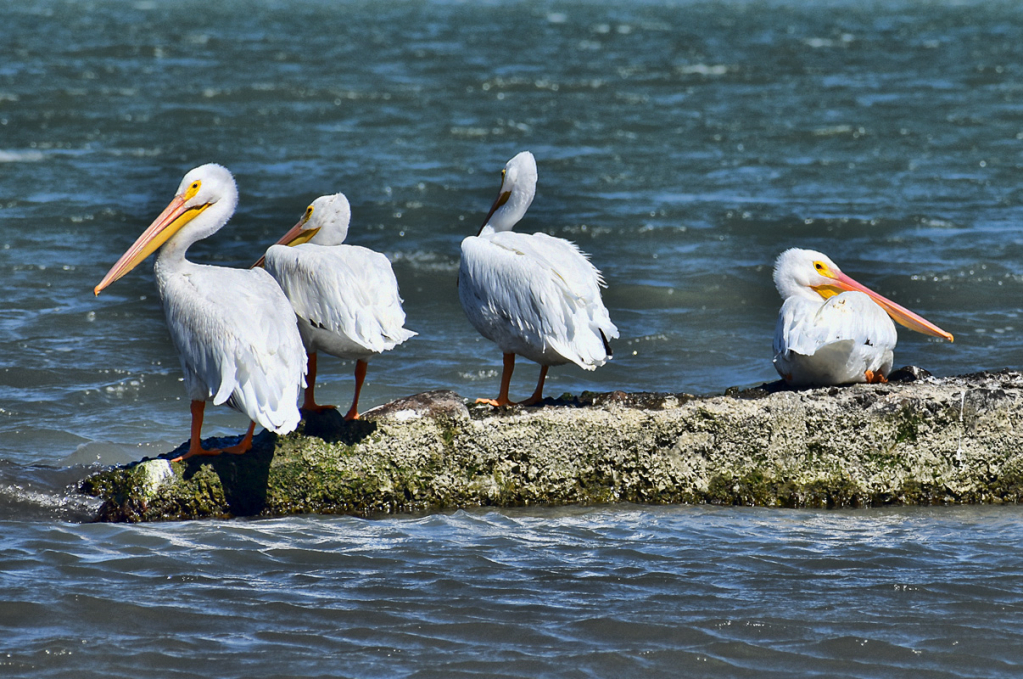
point(832, 330)
point(233, 328)
point(532, 294)
point(345, 296)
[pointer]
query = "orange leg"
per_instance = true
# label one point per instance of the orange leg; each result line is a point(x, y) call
point(360, 376)
point(195, 443)
point(538, 394)
point(506, 375)
point(875, 377)
point(243, 446)
point(309, 402)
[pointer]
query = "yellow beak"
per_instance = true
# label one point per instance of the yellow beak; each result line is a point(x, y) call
point(502, 198)
point(170, 221)
point(899, 314)
point(294, 236)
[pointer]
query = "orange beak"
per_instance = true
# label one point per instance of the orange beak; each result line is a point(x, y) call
point(294, 236)
point(170, 221)
point(899, 314)
point(502, 198)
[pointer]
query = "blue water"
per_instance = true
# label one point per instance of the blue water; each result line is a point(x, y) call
point(553, 593)
point(682, 144)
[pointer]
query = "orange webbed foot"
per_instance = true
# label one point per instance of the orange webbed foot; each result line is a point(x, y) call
point(203, 452)
point(496, 402)
point(192, 453)
point(195, 448)
point(239, 449)
point(875, 377)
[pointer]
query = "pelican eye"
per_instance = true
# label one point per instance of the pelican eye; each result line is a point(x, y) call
point(193, 189)
point(308, 212)
point(820, 266)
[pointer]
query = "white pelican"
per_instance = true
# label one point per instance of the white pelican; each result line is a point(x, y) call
point(831, 329)
point(345, 296)
point(233, 328)
point(532, 294)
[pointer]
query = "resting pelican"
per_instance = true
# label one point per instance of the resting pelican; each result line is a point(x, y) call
point(532, 294)
point(233, 328)
point(345, 296)
point(832, 330)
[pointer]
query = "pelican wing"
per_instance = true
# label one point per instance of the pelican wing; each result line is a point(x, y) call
point(346, 289)
point(833, 342)
point(540, 291)
point(804, 329)
point(238, 342)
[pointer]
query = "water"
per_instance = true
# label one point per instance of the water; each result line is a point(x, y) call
point(627, 591)
point(683, 145)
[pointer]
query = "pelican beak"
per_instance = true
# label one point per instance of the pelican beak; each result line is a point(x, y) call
point(294, 236)
point(501, 200)
point(900, 314)
point(170, 221)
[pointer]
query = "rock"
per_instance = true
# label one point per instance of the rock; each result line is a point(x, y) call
point(152, 475)
point(435, 404)
point(920, 440)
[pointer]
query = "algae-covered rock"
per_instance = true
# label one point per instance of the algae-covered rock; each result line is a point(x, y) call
point(920, 441)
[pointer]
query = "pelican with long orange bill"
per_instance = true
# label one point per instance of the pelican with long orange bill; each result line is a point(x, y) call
point(233, 328)
point(831, 329)
point(345, 296)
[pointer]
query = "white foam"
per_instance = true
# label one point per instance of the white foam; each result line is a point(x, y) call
point(28, 156)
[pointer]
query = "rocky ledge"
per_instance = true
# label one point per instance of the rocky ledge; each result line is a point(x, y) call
point(915, 440)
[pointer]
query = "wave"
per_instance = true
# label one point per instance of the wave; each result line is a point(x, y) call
point(40, 493)
point(26, 156)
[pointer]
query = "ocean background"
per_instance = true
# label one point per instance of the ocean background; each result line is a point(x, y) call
point(683, 145)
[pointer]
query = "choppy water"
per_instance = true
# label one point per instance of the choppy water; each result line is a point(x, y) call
point(661, 592)
point(683, 145)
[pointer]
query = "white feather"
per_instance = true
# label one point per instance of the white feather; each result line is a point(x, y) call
point(534, 295)
point(825, 337)
point(233, 329)
point(348, 296)
point(345, 296)
point(833, 342)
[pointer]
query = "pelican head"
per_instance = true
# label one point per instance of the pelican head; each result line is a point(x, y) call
point(812, 275)
point(209, 191)
point(327, 217)
point(518, 186)
point(325, 222)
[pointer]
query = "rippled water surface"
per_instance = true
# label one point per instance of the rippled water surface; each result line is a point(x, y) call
point(554, 593)
point(682, 144)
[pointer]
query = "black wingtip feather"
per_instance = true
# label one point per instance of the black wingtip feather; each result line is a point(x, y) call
point(607, 345)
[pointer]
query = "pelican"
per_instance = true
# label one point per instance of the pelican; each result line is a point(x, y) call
point(533, 295)
point(233, 328)
point(345, 296)
point(831, 329)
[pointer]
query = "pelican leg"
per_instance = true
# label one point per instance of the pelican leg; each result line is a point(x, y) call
point(360, 376)
point(506, 375)
point(309, 402)
point(243, 446)
point(195, 448)
point(875, 377)
point(195, 443)
point(538, 394)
